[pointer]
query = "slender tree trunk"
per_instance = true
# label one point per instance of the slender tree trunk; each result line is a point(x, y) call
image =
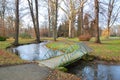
point(55, 26)
point(79, 26)
point(49, 21)
point(97, 21)
point(71, 19)
point(80, 23)
point(32, 15)
point(81, 20)
point(108, 27)
point(70, 28)
point(16, 42)
point(37, 21)
point(110, 11)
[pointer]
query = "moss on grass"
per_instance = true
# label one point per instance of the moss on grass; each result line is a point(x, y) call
point(64, 46)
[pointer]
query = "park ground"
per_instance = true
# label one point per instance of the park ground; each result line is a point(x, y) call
point(108, 50)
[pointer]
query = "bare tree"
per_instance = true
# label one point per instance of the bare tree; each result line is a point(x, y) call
point(2, 14)
point(80, 18)
point(35, 19)
point(55, 26)
point(49, 18)
point(96, 2)
point(52, 16)
point(110, 18)
point(16, 42)
point(72, 8)
point(70, 12)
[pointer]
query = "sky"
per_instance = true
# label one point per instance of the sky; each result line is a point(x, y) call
point(26, 19)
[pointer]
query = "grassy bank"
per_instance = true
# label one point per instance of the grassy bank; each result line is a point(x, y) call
point(7, 58)
point(108, 50)
point(64, 46)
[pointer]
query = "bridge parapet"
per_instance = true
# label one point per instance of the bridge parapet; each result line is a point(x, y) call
point(67, 57)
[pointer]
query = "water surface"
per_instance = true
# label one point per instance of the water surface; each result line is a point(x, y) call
point(97, 72)
point(35, 52)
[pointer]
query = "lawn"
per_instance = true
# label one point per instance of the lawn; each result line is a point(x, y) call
point(62, 45)
point(4, 44)
point(7, 58)
point(108, 50)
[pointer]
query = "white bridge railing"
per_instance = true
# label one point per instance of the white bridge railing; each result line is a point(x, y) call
point(67, 56)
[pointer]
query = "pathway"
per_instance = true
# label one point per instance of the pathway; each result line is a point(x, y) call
point(67, 57)
point(24, 72)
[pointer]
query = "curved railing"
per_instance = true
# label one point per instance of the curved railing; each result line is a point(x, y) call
point(68, 56)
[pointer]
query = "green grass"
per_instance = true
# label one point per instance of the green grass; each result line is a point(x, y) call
point(108, 50)
point(8, 42)
point(4, 44)
point(7, 58)
point(62, 45)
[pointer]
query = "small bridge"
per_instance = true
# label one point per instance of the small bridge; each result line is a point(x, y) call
point(67, 57)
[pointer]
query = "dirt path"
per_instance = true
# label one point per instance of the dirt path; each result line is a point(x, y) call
point(24, 72)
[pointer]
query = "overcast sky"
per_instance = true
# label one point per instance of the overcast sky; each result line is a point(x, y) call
point(43, 12)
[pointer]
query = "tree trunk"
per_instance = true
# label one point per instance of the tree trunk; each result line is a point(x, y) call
point(55, 26)
point(97, 21)
point(81, 20)
point(108, 24)
point(16, 42)
point(108, 27)
point(37, 22)
point(110, 11)
point(79, 25)
point(49, 19)
point(70, 28)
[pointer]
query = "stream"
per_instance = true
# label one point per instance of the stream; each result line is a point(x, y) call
point(33, 52)
point(96, 71)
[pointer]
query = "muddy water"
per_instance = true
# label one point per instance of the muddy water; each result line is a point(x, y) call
point(96, 72)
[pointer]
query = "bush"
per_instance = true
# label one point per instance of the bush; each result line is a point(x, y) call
point(88, 57)
point(2, 38)
point(85, 37)
point(25, 36)
point(62, 69)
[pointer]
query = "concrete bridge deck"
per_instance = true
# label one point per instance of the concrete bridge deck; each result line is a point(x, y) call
point(66, 57)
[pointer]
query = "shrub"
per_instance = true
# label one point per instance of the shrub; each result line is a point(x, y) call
point(2, 38)
point(88, 57)
point(25, 36)
point(62, 69)
point(85, 37)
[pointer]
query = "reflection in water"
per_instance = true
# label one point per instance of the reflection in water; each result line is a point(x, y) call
point(98, 72)
point(88, 72)
point(35, 52)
